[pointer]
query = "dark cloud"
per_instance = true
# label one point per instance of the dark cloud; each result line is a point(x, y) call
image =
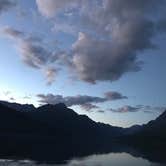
point(89, 107)
point(86, 102)
point(80, 100)
point(129, 6)
point(125, 109)
point(11, 32)
point(33, 54)
point(152, 109)
point(143, 108)
point(100, 111)
point(114, 95)
point(6, 4)
point(83, 100)
point(12, 98)
point(70, 100)
point(162, 25)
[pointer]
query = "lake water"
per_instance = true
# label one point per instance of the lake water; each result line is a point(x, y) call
point(112, 159)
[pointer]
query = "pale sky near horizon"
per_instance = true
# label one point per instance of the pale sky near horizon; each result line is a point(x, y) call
point(103, 58)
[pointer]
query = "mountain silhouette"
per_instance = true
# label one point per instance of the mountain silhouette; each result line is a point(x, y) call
point(153, 130)
point(67, 123)
point(55, 132)
point(18, 107)
point(60, 120)
point(14, 122)
point(57, 120)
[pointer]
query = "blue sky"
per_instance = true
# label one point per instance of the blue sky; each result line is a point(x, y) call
point(95, 58)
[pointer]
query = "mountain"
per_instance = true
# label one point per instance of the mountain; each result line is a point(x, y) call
point(52, 131)
point(153, 134)
point(18, 107)
point(55, 120)
point(156, 129)
point(14, 122)
point(66, 121)
point(55, 132)
point(60, 121)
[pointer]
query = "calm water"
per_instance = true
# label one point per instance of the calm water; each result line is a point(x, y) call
point(112, 159)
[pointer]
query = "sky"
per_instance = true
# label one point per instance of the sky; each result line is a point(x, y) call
point(102, 58)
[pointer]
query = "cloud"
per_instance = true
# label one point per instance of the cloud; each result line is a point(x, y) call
point(70, 100)
point(27, 97)
point(113, 32)
point(89, 107)
point(11, 32)
point(111, 95)
point(162, 25)
point(6, 5)
point(100, 111)
point(7, 93)
point(50, 75)
point(33, 54)
point(143, 108)
point(125, 109)
point(152, 109)
point(33, 51)
point(117, 56)
point(12, 98)
point(50, 7)
point(86, 102)
point(66, 28)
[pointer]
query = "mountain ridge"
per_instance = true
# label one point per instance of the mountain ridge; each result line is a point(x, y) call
point(63, 107)
point(53, 132)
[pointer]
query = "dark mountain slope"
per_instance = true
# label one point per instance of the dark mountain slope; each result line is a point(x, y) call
point(151, 134)
point(155, 128)
point(52, 131)
point(66, 121)
point(14, 122)
point(56, 121)
point(18, 107)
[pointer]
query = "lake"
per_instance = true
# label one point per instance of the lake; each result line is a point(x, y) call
point(111, 159)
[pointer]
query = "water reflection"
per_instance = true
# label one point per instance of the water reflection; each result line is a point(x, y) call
point(113, 159)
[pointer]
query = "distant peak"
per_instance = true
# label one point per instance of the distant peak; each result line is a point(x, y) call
point(18, 106)
point(62, 105)
point(59, 106)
